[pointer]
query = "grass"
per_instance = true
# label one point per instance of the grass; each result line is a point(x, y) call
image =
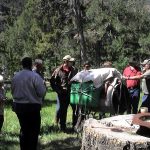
point(50, 137)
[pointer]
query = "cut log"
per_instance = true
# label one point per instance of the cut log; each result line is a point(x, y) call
point(114, 133)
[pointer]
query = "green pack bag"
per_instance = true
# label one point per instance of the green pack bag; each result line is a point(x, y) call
point(85, 94)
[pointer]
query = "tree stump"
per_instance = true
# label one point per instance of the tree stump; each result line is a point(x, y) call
point(114, 133)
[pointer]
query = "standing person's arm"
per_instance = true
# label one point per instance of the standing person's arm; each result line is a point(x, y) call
point(55, 82)
point(39, 86)
point(144, 75)
point(126, 75)
point(138, 77)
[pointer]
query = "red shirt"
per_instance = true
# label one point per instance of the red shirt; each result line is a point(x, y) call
point(129, 72)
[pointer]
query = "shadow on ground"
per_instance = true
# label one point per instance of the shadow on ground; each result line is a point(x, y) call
point(8, 141)
point(64, 144)
point(69, 143)
point(55, 129)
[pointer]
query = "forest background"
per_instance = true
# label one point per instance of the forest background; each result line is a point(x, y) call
point(94, 30)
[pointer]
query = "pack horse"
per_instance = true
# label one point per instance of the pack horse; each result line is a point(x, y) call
point(99, 90)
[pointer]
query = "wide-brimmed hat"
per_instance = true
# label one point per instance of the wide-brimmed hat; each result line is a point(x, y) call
point(146, 61)
point(67, 57)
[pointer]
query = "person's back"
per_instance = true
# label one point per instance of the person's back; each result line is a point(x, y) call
point(28, 90)
point(27, 87)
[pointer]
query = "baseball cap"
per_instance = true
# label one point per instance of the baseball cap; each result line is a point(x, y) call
point(72, 59)
point(146, 61)
point(67, 57)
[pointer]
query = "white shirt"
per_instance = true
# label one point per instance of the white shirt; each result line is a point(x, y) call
point(28, 87)
point(146, 82)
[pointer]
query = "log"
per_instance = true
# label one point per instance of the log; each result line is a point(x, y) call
point(114, 133)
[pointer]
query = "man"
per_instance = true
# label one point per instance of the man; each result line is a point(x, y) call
point(28, 90)
point(86, 65)
point(72, 60)
point(145, 83)
point(38, 67)
point(60, 82)
point(107, 64)
point(133, 85)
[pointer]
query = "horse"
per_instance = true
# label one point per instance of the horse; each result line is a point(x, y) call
point(111, 96)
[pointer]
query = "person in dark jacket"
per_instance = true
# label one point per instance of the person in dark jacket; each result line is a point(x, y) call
point(60, 82)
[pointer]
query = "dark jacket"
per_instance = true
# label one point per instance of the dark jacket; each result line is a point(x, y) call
point(60, 79)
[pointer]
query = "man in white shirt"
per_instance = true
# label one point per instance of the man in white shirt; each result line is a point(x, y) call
point(28, 90)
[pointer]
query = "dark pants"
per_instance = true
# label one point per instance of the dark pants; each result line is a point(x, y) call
point(30, 121)
point(64, 101)
point(146, 101)
point(75, 112)
point(1, 121)
point(134, 99)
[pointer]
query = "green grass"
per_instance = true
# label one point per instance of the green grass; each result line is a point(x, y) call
point(50, 137)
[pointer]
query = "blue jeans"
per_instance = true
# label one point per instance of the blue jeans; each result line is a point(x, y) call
point(146, 101)
point(134, 99)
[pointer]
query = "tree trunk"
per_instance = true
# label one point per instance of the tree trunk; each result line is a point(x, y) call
point(79, 24)
point(114, 133)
